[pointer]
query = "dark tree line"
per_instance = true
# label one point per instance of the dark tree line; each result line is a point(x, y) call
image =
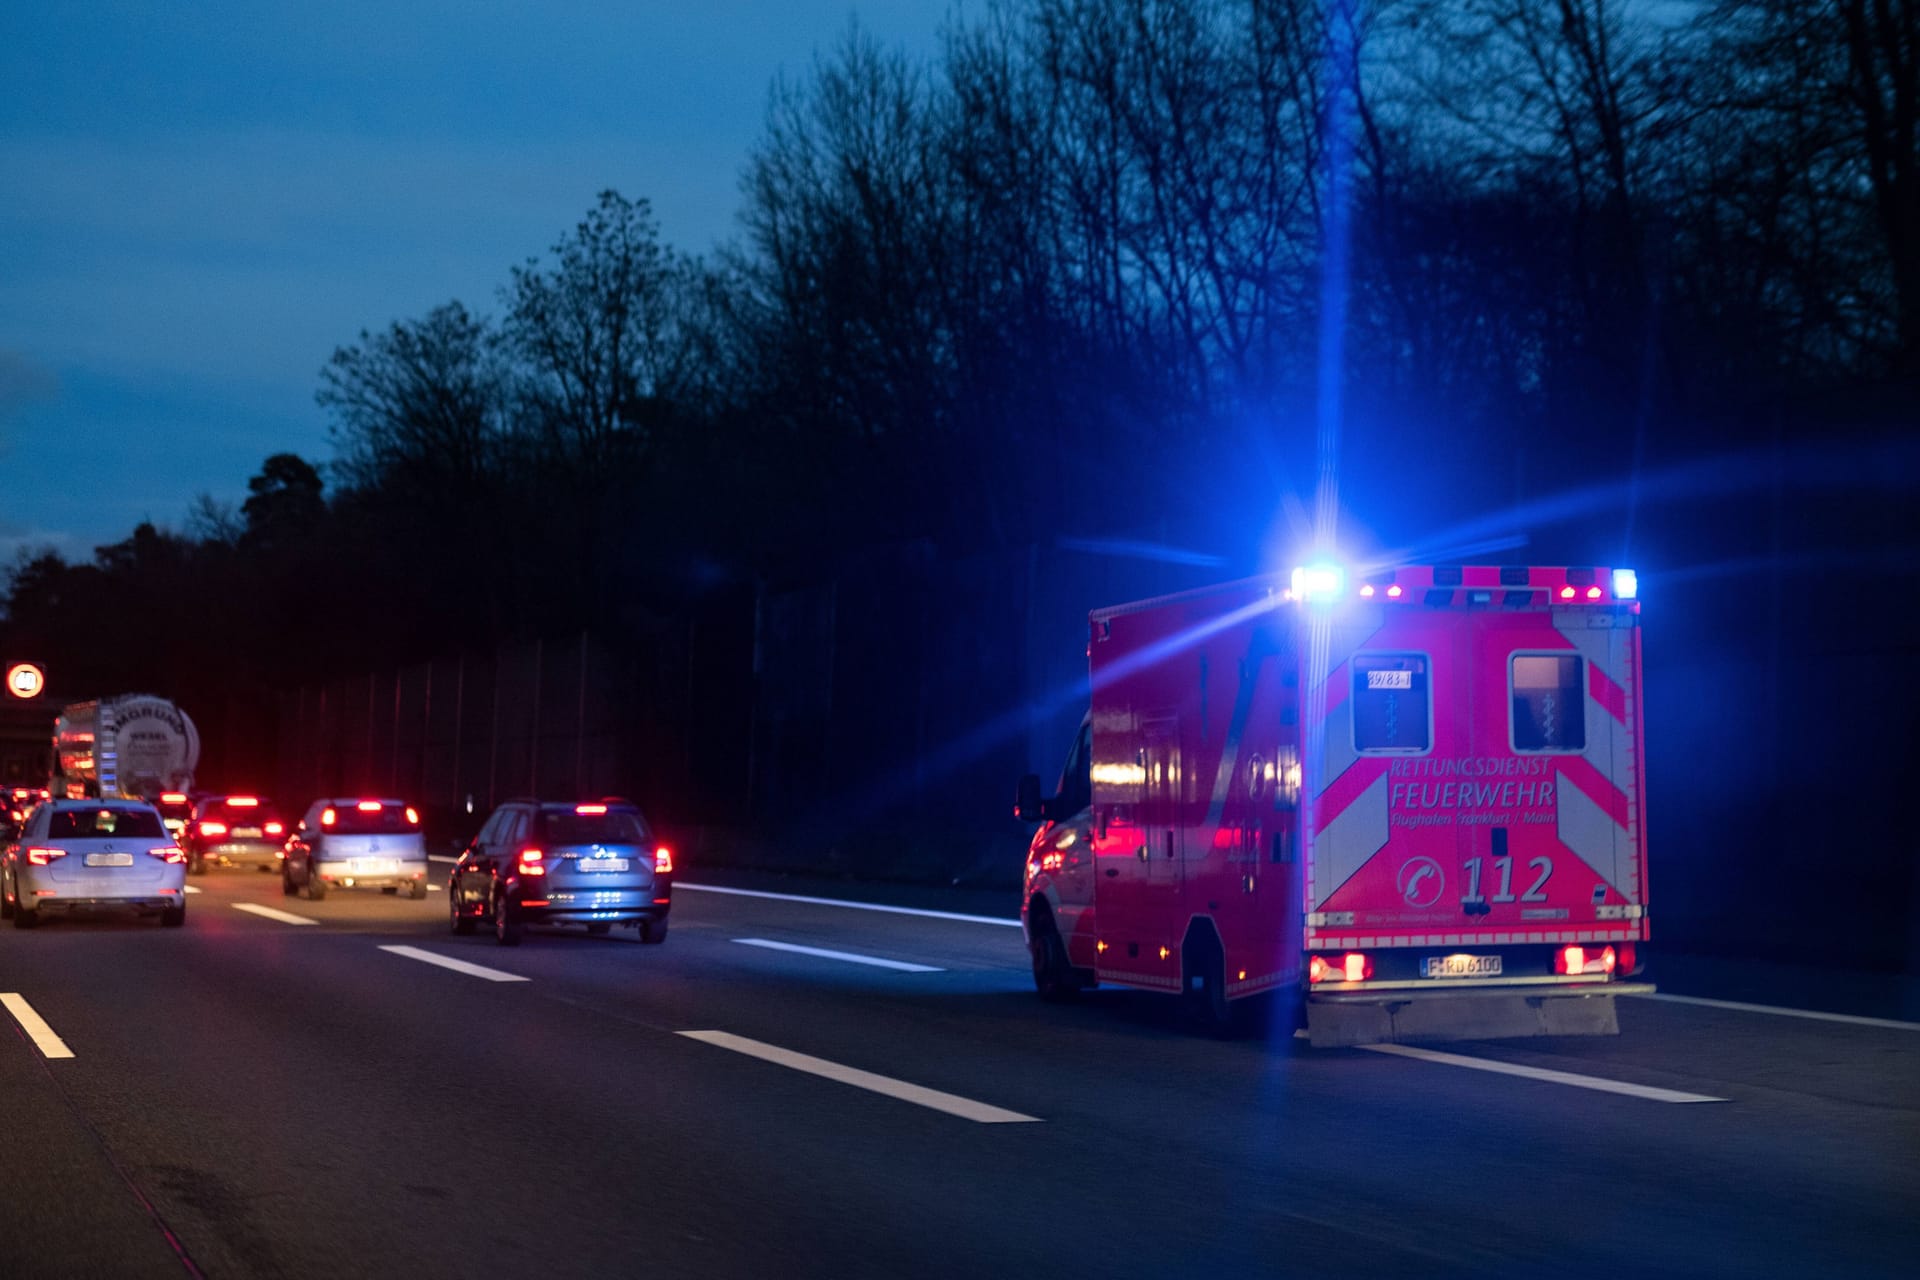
point(1097, 269)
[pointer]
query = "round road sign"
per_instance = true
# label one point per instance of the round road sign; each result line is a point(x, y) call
point(25, 680)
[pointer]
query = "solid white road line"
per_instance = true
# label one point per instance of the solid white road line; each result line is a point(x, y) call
point(1780, 1011)
point(272, 913)
point(35, 1026)
point(848, 956)
point(952, 1104)
point(842, 902)
point(458, 966)
point(435, 857)
point(193, 888)
point(1595, 1083)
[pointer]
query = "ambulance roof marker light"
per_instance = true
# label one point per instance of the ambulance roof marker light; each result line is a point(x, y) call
point(1318, 582)
point(1626, 584)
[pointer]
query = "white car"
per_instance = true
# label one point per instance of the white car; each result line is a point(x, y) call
point(350, 842)
point(83, 855)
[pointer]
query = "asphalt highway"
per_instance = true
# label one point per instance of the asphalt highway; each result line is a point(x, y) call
point(264, 1094)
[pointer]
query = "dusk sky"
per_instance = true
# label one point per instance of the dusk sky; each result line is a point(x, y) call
point(202, 200)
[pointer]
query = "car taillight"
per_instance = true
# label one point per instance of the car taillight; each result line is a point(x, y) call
point(328, 817)
point(168, 854)
point(413, 817)
point(213, 828)
point(41, 857)
point(663, 861)
point(275, 828)
point(1628, 959)
point(173, 797)
point(531, 863)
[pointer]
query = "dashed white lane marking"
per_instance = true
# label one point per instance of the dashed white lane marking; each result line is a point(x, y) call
point(193, 888)
point(851, 906)
point(433, 888)
point(272, 913)
point(435, 857)
point(1596, 1083)
point(1781, 1011)
point(458, 966)
point(952, 1104)
point(848, 956)
point(35, 1026)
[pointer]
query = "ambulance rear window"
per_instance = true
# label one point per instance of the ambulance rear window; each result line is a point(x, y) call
point(1549, 702)
point(1390, 704)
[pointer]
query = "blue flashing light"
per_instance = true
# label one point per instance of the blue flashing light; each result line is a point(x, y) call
point(1626, 584)
point(1318, 582)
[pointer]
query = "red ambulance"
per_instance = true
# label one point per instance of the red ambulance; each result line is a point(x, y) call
point(1411, 805)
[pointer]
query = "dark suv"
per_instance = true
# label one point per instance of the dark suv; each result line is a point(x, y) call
point(549, 862)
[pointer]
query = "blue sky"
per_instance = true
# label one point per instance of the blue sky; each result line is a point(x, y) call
point(201, 200)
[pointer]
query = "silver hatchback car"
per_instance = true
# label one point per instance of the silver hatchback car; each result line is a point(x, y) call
point(75, 855)
point(356, 843)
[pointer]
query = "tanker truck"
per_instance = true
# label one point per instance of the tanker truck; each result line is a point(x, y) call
point(132, 746)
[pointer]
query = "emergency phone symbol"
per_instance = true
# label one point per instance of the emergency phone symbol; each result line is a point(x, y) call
point(1420, 882)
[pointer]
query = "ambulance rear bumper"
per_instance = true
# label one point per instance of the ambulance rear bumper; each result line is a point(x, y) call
point(1404, 1016)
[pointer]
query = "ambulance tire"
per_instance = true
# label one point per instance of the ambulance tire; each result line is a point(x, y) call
point(1053, 977)
point(1204, 989)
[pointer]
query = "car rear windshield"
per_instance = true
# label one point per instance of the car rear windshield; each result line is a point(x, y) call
point(351, 820)
point(242, 815)
point(103, 823)
point(620, 826)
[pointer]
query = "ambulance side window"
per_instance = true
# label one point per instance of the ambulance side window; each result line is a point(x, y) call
point(1549, 702)
point(1076, 780)
point(1392, 709)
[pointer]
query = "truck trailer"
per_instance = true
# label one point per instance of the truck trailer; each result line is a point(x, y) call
point(133, 746)
point(1409, 807)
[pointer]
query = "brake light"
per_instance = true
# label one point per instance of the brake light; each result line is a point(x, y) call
point(1354, 966)
point(413, 819)
point(530, 862)
point(662, 861)
point(172, 797)
point(589, 808)
point(368, 806)
point(167, 854)
point(328, 817)
point(1566, 593)
point(1393, 593)
point(275, 828)
point(213, 828)
point(244, 802)
point(1628, 959)
point(1574, 961)
point(41, 857)
point(1593, 593)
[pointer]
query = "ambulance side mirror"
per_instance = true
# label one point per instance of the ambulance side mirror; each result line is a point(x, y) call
point(1027, 804)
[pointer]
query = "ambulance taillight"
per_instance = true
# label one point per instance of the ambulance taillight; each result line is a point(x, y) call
point(1576, 961)
point(1354, 966)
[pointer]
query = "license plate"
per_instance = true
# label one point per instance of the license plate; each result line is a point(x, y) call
point(370, 866)
point(109, 859)
point(1463, 966)
point(246, 833)
point(604, 864)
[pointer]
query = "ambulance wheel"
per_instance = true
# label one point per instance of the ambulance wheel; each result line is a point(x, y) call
point(1205, 987)
point(1053, 977)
